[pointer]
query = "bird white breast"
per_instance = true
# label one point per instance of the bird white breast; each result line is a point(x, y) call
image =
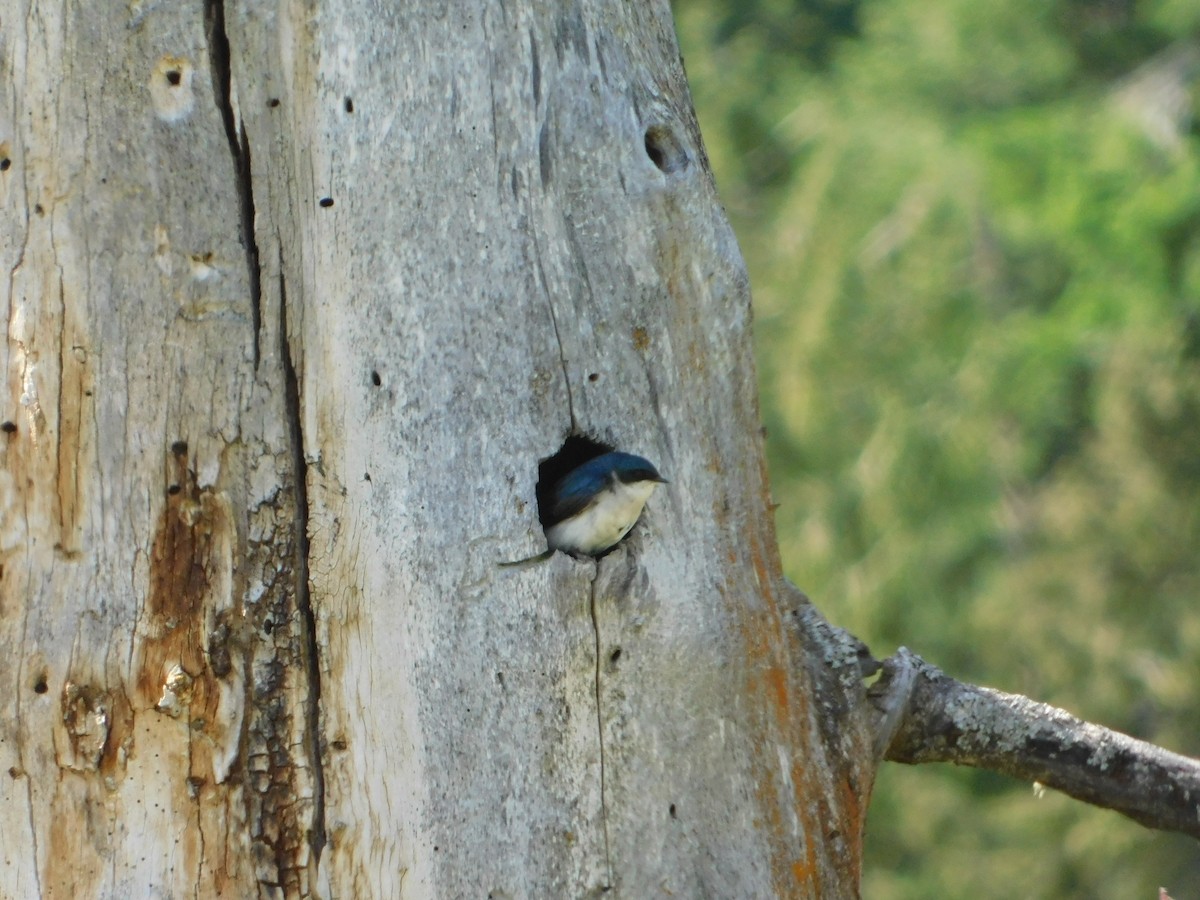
point(603, 523)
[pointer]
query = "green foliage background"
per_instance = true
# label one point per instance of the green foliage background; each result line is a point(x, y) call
point(975, 255)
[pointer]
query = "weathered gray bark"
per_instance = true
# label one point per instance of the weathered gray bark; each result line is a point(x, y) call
point(278, 413)
point(155, 731)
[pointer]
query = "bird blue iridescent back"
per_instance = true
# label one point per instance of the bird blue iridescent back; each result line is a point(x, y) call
point(596, 504)
point(593, 506)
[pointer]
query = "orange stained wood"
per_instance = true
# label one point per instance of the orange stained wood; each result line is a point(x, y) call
point(191, 530)
point(823, 804)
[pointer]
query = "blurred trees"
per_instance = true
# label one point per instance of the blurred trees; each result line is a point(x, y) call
point(974, 237)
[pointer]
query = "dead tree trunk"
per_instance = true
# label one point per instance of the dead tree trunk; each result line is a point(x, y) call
point(298, 295)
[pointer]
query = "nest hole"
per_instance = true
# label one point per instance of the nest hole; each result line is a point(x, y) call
point(666, 150)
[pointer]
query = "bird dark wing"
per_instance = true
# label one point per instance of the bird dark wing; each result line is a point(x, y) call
point(574, 495)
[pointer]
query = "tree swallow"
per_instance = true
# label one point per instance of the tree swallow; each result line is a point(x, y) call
point(590, 509)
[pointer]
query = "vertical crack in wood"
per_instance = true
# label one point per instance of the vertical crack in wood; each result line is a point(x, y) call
point(308, 619)
point(287, 854)
point(29, 805)
point(33, 835)
point(562, 353)
point(58, 407)
point(198, 804)
point(563, 358)
point(600, 731)
point(239, 148)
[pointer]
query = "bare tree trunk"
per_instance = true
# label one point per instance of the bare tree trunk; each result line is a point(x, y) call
point(159, 720)
point(298, 295)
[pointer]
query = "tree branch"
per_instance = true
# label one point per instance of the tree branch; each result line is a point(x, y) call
point(923, 715)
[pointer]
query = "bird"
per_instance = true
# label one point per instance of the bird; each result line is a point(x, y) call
point(592, 507)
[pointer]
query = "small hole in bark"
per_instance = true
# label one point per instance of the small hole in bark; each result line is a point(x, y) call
point(14, 772)
point(665, 150)
point(595, 376)
point(366, 476)
point(40, 686)
point(268, 626)
point(8, 427)
point(5, 164)
point(326, 202)
point(179, 448)
point(273, 102)
point(673, 816)
point(338, 745)
point(174, 77)
point(375, 379)
point(38, 209)
point(173, 490)
point(349, 105)
point(615, 655)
